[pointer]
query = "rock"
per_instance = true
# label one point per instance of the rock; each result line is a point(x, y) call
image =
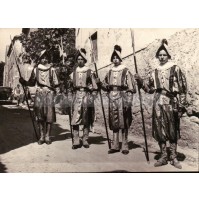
point(194, 119)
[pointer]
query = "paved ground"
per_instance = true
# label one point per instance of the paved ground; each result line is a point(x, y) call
point(19, 151)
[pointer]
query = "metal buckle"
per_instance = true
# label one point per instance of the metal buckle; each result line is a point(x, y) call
point(115, 88)
point(82, 89)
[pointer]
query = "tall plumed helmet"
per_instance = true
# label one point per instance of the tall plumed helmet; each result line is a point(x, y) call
point(116, 52)
point(45, 53)
point(164, 41)
point(82, 52)
point(163, 46)
point(118, 48)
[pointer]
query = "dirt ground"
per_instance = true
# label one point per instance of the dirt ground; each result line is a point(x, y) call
point(19, 151)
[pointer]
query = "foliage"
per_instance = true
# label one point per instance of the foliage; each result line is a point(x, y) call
point(56, 41)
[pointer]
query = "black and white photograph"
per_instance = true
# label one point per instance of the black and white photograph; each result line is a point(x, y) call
point(99, 100)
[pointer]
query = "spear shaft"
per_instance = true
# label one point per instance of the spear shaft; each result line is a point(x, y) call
point(140, 97)
point(26, 98)
point(109, 144)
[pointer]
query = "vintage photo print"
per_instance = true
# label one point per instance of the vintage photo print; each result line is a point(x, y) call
point(99, 100)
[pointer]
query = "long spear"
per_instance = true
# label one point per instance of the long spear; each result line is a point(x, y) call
point(140, 97)
point(26, 98)
point(109, 144)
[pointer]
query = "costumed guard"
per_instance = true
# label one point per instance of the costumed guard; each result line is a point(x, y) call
point(120, 85)
point(168, 84)
point(84, 92)
point(45, 79)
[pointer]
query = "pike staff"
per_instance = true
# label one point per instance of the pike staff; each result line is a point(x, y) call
point(140, 97)
point(109, 144)
point(26, 98)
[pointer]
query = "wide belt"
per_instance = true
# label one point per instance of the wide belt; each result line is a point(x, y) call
point(81, 89)
point(117, 88)
point(167, 93)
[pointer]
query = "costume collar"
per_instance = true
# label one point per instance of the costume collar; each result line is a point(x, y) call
point(82, 69)
point(44, 68)
point(166, 66)
point(118, 68)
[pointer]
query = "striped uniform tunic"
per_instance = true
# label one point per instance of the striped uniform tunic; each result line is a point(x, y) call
point(168, 84)
point(120, 85)
point(45, 79)
point(84, 87)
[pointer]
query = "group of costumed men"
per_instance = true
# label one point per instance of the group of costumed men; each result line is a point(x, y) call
point(80, 89)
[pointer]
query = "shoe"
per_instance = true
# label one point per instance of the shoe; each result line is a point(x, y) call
point(48, 142)
point(86, 146)
point(125, 152)
point(41, 141)
point(111, 151)
point(176, 163)
point(160, 163)
point(75, 146)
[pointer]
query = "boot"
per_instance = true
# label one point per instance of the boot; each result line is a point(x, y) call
point(85, 138)
point(41, 140)
point(41, 130)
point(163, 159)
point(116, 146)
point(125, 148)
point(76, 142)
point(173, 155)
point(176, 163)
point(48, 130)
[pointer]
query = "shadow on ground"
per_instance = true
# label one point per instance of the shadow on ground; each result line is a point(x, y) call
point(97, 140)
point(57, 136)
point(2, 168)
point(16, 129)
point(133, 145)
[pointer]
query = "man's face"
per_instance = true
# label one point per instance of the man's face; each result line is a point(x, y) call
point(163, 57)
point(80, 61)
point(116, 61)
point(44, 60)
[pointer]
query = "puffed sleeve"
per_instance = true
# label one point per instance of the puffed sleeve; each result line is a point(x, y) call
point(148, 84)
point(182, 86)
point(130, 82)
point(105, 83)
point(55, 79)
point(94, 84)
point(32, 80)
